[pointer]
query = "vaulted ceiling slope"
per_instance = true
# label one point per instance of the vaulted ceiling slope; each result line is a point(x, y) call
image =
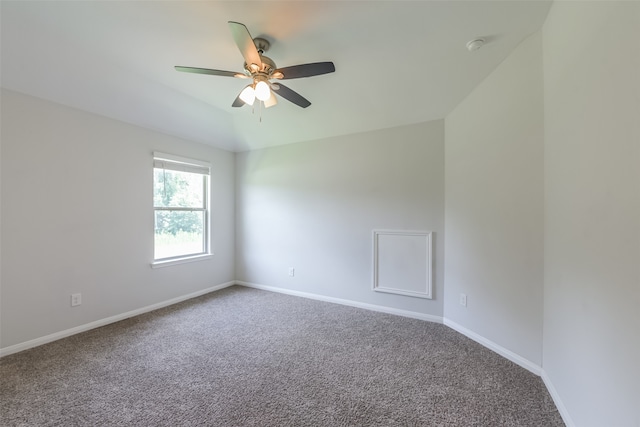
point(396, 62)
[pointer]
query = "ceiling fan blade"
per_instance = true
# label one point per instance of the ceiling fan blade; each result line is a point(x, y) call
point(291, 95)
point(305, 70)
point(245, 43)
point(238, 102)
point(210, 72)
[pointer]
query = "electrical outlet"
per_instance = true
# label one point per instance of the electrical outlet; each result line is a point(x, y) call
point(76, 299)
point(463, 300)
point(292, 271)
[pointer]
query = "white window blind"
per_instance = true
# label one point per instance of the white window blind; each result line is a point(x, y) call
point(171, 162)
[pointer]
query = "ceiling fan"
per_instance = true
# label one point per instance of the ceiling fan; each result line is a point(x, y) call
point(261, 69)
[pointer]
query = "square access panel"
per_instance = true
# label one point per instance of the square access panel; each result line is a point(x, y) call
point(402, 262)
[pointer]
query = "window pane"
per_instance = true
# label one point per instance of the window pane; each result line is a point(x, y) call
point(178, 189)
point(179, 233)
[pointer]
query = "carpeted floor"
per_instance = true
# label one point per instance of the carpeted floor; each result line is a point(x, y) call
point(244, 357)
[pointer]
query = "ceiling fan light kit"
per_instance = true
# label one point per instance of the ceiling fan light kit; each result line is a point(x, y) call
point(270, 101)
point(262, 70)
point(248, 95)
point(262, 91)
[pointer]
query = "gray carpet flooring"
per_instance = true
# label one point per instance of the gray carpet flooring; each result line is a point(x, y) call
point(244, 357)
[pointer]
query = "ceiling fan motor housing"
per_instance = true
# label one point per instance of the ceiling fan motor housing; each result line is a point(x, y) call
point(268, 66)
point(262, 45)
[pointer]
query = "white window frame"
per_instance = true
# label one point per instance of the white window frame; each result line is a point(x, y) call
point(173, 162)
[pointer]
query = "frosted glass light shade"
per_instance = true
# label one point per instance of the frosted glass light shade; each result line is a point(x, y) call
point(248, 95)
point(262, 91)
point(271, 101)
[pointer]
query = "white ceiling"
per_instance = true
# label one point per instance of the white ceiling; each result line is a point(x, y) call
point(396, 62)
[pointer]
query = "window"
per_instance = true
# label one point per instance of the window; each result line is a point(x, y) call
point(181, 208)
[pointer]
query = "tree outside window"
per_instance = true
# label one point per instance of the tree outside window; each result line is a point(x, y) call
point(180, 202)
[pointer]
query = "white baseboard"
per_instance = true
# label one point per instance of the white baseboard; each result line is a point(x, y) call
point(508, 354)
point(556, 399)
point(515, 358)
point(521, 361)
point(102, 322)
point(372, 307)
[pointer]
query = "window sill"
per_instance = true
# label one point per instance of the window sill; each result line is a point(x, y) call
point(168, 263)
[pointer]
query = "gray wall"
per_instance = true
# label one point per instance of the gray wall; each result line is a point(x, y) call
point(313, 206)
point(493, 209)
point(592, 210)
point(77, 216)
